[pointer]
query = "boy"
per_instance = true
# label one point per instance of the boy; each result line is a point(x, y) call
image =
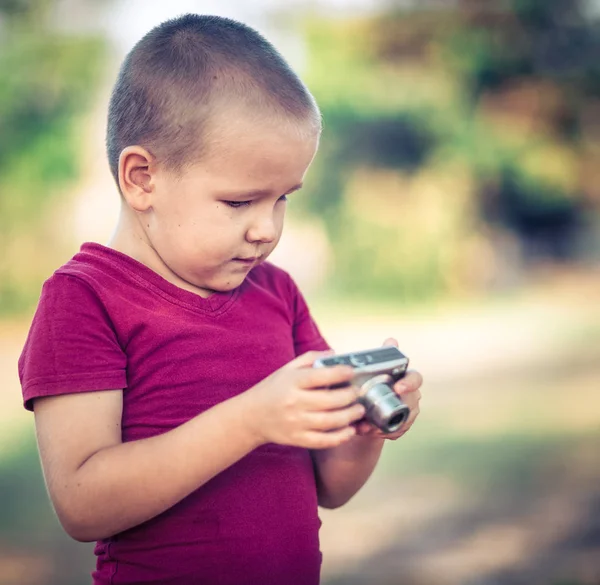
point(178, 419)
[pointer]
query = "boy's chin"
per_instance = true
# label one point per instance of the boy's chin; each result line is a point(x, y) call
point(224, 282)
point(229, 284)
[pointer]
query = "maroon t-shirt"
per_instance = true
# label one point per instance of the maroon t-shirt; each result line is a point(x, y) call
point(105, 321)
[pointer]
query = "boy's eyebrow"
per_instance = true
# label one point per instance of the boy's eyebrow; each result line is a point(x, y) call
point(258, 192)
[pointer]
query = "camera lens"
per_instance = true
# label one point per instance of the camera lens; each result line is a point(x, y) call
point(397, 419)
point(384, 407)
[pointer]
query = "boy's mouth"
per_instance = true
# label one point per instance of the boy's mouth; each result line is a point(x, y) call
point(249, 260)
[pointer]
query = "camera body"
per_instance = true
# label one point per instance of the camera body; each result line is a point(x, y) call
point(375, 373)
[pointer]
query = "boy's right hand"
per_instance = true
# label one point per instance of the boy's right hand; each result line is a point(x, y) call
point(294, 406)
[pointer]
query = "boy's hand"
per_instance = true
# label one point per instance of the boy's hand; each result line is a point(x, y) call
point(408, 388)
point(294, 407)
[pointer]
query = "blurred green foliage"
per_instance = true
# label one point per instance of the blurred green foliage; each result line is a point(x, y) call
point(447, 132)
point(47, 80)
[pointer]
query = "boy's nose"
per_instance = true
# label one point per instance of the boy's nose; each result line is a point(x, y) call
point(263, 230)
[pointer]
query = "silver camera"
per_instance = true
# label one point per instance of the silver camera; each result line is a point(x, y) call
point(375, 372)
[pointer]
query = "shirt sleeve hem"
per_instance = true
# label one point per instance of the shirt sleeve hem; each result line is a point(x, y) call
point(69, 384)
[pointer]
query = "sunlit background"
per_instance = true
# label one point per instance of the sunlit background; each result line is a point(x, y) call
point(454, 204)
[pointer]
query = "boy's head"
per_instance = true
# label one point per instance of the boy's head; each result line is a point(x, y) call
point(208, 130)
point(179, 84)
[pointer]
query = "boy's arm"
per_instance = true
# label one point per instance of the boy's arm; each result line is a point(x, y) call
point(100, 486)
point(343, 470)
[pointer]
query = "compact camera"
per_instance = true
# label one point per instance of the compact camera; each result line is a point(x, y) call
point(375, 372)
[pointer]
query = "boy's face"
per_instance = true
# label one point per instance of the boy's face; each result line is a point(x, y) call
point(212, 223)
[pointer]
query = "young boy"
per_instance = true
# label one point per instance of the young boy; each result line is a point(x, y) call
point(178, 419)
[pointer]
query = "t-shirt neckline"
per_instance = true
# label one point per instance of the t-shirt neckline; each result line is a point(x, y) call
point(217, 302)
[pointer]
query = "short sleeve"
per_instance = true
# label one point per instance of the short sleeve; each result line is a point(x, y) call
point(72, 345)
point(307, 336)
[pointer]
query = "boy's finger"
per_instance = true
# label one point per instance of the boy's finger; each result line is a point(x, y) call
point(328, 439)
point(390, 341)
point(324, 377)
point(411, 399)
point(335, 419)
point(364, 427)
point(330, 399)
point(409, 383)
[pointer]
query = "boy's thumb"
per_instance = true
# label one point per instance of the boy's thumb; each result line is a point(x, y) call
point(391, 341)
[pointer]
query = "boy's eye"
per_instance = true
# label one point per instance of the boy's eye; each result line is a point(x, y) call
point(237, 203)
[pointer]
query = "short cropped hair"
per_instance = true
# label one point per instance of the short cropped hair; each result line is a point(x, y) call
point(179, 74)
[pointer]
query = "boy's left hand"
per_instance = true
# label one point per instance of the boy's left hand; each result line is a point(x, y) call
point(408, 388)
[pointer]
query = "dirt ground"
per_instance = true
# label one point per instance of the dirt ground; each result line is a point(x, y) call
point(497, 484)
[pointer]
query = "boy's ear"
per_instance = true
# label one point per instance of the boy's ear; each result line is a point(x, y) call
point(135, 177)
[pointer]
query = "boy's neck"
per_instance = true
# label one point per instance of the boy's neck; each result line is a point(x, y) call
point(128, 238)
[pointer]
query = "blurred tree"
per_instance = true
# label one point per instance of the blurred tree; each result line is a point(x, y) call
point(481, 110)
point(537, 68)
point(47, 79)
